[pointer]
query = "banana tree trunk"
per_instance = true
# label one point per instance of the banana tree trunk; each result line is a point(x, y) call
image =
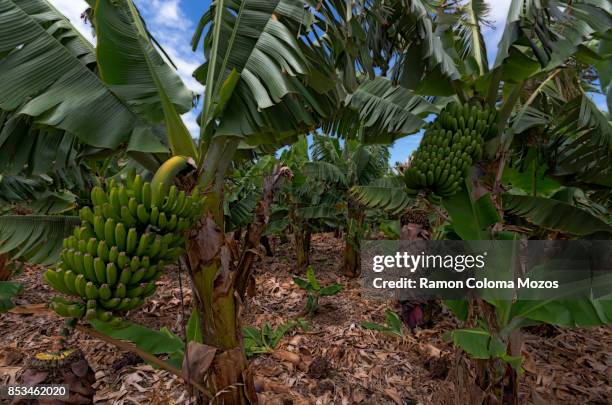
point(5, 272)
point(301, 241)
point(256, 229)
point(352, 241)
point(214, 276)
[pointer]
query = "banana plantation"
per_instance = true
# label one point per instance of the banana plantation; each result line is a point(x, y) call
point(142, 262)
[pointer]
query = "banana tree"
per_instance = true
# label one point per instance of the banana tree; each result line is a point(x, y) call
point(126, 96)
point(307, 202)
point(354, 164)
point(544, 172)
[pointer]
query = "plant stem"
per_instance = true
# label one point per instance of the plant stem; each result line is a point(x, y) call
point(130, 347)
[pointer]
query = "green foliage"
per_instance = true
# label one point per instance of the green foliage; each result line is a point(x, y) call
point(392, 326)
point(391, 228)
point(69, 96)
point(8, 290)
point(315, 290)
point(265, 340)
point(555, 215)
point(386, 193)
point(35, 238)
point(194, 328)
point(480, 344)
point(162, 342)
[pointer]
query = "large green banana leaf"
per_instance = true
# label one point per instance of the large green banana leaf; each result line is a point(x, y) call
point(275, 94)
point(47, 73)
point(35, 238)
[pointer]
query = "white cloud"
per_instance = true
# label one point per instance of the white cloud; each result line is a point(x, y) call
point(168, 13)
point(173, 29)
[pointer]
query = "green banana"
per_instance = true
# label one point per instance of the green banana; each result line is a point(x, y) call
point(137, 188)
point(54, 280)
point(125, 276)
point(142, 214)
point(123, 260)
point(69, 279)
point(120, 290)
point(137, 276)
point(132, 240)
point(111, 274)
point(100, 271)
point(109, 232)
point(91, 292)
point(104, 292)
point(113, 254)
point(120, 236)
point(146, 195)
point(79, 285)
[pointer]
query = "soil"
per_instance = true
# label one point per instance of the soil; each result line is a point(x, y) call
point(334, 361)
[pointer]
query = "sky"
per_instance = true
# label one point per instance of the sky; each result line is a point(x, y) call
point(172, 22)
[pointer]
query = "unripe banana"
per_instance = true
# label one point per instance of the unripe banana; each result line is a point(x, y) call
point(54, 280)
point(120, 236)
point(113, 254)
point(104, 316)
point(135, 263)
point(143, 244)
point(100, 271)
point(92, 246)
point(136, 292)
point(170, 199)
point(123, 260)
point(104, 292)
point(110, 303)
point(91, 291)
point(79, 285)
point(120, 291)
point(109, 232)
point(132, 206)
point(125, 276)
point(180, 201)
point(99, 227)
point(69, 279)
point(102, 251)
point(114, 201)
point(158, 196)
point(126, 217)
point(146, 262)
point(137, 188)
point(146, 195)
point(124, 305)
point(111, 274)
point(154, 216)
point(132, 240)
point(142, 214)
point(124, 199)
point(149, 289)
point(137, 276)
point(162, 221)
point(86, 214)
point(155, 247)
point(78, 267)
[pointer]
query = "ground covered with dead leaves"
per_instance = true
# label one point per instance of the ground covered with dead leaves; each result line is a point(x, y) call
point(334, 361)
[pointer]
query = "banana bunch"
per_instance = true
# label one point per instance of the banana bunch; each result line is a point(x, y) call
point(112, 261)
point(451, 144)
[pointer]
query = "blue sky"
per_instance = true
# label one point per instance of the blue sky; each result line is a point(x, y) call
point(172, 22)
